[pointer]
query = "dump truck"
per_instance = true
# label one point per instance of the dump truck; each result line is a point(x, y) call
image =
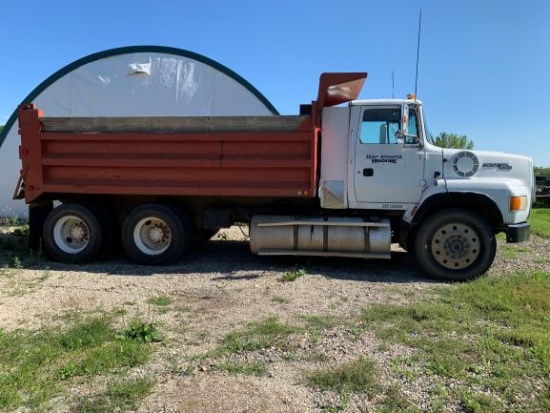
point(343, 178)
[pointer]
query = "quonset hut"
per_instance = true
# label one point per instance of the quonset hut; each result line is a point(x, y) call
point(131, 81)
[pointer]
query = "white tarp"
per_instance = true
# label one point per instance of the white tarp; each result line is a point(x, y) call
point(137, 83)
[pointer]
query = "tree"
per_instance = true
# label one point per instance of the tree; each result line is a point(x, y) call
point(541, 171)
point(1, 127)
point(454, 141)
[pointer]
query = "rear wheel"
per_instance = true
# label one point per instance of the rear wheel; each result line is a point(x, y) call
point(156, 234)
point(455, 245)
point(73, 233)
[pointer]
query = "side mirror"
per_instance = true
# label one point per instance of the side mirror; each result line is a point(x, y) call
point(404, 120)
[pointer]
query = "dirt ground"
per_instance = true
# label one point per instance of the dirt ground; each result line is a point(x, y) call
point(220, 288)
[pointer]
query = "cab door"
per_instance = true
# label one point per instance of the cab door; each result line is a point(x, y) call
point(386, 165)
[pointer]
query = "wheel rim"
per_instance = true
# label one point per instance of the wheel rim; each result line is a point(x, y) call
point(455, 246)
point(152, 236)
point(71, 234)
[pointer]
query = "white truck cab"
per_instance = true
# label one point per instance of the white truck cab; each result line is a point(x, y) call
point(446, 204)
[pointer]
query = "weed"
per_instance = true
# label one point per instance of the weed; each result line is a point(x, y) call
point(15, 262)
point(141, 331)
point(289, 276)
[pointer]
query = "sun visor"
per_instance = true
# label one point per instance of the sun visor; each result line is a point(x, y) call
point(337, 88)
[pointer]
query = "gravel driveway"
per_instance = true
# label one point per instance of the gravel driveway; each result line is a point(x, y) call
point(221, 287)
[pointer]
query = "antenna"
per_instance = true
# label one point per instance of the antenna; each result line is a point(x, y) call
point(392, 85)
point(417, 54)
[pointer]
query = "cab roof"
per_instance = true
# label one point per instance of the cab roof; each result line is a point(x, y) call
point(378, 102)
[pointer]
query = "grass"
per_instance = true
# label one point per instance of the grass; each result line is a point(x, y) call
point(359, 375)
point(283, 338)
point(13, 221)
point(394, 401)
point(271, 333)
point(513, 251)
point(492, 334)
point(13, 234)
point(279, 299)
point(120, 395)
point(39, 366)
point(160, 301)
point(256, 336)
point(230, 354)
point(540, 222)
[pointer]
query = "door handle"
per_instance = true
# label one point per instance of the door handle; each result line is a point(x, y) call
point(368, 172)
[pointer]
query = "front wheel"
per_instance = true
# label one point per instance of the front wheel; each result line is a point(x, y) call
point(455, 245)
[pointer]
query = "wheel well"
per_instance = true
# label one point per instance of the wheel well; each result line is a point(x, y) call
point(478, 203)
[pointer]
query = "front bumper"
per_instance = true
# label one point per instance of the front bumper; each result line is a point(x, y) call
point(518, 232)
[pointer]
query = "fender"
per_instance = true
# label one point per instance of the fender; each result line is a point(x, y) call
point(479, 203)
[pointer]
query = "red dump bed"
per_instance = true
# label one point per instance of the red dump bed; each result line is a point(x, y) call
point(269, 156)
point(209, 156)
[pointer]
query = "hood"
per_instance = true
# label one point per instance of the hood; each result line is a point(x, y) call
point(465, 164)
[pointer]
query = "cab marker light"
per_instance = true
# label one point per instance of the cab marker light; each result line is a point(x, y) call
point(518, 203)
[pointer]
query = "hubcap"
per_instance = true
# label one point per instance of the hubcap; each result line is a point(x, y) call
point(152, 236)
point(455, 246)
point(71, 234)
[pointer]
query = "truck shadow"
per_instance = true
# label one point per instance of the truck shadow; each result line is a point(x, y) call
point(232, 260)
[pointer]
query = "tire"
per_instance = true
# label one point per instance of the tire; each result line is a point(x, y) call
point(455, 245)
point(156, 234)
point(73, 233)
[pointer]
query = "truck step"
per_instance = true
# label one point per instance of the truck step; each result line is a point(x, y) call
point(369, 255)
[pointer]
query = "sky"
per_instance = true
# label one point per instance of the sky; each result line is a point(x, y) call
point(483, 69)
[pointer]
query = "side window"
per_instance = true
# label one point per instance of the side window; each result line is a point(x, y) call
point(412, 134)
point(378, 126)
point(413, 130)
